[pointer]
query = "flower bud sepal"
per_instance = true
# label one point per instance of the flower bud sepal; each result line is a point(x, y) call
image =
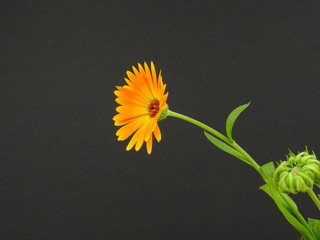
point(164, 113)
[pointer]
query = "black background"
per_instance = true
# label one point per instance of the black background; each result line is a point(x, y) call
point(65, 176)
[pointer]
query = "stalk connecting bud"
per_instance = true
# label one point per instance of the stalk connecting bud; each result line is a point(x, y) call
point(298, 173)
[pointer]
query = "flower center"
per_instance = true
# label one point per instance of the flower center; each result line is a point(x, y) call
point(153, 108)
point(296, 170)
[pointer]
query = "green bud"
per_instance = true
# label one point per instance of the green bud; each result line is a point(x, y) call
point(298, 173)
point(164, 113)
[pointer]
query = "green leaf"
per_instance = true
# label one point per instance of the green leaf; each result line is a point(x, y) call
point(315, 226)
point(317, 183)
point(225, 147)
point(292, 205)
point(268, 170)
point(232, 118)
point(284, 206)
point(274, 192)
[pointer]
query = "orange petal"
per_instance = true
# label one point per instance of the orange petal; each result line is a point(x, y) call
point(136, 137)
point(163, 101)
point(125, 131)
point(125, 116)
point(160, 83)
point(132, 109)
point(122, 101)
point(149, 79)
point(131, 76)
point(157, 133)
point(141, 135)
point(146, 81)
point(130, 96)
point(140, 84)
point(149, 144)
point(124, 121)
point(154, 78)
point(150, 128)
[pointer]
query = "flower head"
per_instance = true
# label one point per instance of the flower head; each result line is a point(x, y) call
point(298, 173)
point(141, 103)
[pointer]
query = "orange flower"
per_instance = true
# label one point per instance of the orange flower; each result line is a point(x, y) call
point(141, 103)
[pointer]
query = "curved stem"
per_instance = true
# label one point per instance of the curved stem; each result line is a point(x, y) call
point(220, 136)
point(199, 124)
point(314, 198)
point(252, 161)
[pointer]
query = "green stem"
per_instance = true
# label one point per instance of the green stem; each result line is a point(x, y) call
point(251, 161)
point(219, 135)
point(199, 124)
point(314, 198)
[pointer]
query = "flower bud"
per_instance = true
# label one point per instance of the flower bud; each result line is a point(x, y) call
point(298, 173)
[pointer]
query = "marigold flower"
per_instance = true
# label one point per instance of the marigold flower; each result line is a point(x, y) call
point(141, 102)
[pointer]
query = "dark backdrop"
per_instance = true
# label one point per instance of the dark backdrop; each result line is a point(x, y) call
point(65, 176)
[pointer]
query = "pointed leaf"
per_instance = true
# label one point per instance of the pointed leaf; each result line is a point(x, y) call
point(293, 206)
point(232, 118)
point(315, 226)
point(273, 192)
point(223, 146)
point(268, 170)
point(286, 209)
